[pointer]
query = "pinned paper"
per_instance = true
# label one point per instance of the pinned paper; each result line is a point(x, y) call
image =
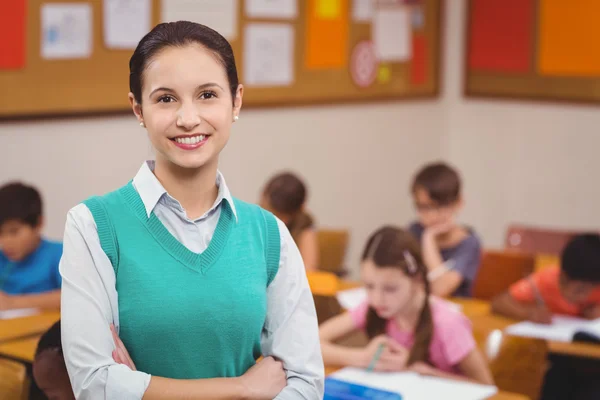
point(418, 66)
point(13, 14)
point(417, 17)
point(329, 9)
point(326, 38)
point(286, 9)
point(384, 74)
point(391, 32)
point(66, 30)
point(221, 15)
point(269, 54)
point(362, 10)
point(126, 22)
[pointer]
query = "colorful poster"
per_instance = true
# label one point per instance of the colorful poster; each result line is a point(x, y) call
point(363, 64)
point(327, 34)
point(13, 16)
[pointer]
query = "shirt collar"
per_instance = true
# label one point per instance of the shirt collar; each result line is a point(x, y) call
point(151, 190)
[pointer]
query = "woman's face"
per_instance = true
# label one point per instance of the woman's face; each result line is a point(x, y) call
point(187, 106)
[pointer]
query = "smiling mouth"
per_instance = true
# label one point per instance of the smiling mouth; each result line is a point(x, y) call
point(189, 140)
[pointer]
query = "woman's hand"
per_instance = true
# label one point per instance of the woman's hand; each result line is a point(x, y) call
point(265, 379)
point(120, 353)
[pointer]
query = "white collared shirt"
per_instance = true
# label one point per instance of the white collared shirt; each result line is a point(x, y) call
point(90, 301)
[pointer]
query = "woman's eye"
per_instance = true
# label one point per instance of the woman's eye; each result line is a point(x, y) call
point(207, 95)
point(165, 99)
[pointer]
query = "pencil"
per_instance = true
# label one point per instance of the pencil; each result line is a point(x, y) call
point(371, 366)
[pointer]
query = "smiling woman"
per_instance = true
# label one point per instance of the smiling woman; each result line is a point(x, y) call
point(172, 287)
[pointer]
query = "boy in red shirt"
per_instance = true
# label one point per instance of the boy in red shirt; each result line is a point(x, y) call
point(573, 289)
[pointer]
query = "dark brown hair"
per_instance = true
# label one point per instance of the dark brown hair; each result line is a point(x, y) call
point(441, 182)
point(179, 34)
point(19, 202)
point(286, 194)
point(391, 247)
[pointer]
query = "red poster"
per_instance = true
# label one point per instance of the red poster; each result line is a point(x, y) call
point(418, 66)
point(12, 33)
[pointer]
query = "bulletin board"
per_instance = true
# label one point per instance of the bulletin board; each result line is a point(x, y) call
point(326, 51)
point(533, 49)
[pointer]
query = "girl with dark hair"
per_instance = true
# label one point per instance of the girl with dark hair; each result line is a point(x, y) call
point(172, 287)
point(415, 330)
point(285, 196)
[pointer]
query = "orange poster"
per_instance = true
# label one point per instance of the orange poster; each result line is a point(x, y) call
point(327, 34)
point(569, 34)
point(12, 34)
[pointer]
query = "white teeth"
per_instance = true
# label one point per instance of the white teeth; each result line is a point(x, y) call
point(190, 140)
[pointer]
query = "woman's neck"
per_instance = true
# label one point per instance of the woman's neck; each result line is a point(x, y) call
point(408, 316)
point(195, 188)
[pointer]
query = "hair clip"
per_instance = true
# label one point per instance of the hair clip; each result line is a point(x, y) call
point(411, 262)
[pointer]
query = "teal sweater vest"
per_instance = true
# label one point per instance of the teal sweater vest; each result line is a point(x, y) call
point(185, 315)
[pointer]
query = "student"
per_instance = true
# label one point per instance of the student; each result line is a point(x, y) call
point(451, 252)
point(419, 333)
point(285, 196)
point(29, 276)
point(197, 283)
point(49, 369)
point(571, 289)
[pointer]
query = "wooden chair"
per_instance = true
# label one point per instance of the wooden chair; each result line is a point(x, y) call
point(536, 240)
point(324, 286)
point(518, 364)
point(13, 380)
point(332, 250)
point(499, 270)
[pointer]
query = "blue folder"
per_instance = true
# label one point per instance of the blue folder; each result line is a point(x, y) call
point(341, 390)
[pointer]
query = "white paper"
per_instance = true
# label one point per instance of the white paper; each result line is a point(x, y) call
point(66, 30)
point(351, 298)
point(362, 10)
point(271, 8)
point(268, 55)
point(392, 34)
point(18, 313)
point(220, 15)
point(415, 387)
point(562, 328)
point(126, 22)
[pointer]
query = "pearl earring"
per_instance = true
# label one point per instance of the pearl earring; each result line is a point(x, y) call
point(142, 124)
point(236, 118)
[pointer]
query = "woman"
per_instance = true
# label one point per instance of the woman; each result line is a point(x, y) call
point(197, 283)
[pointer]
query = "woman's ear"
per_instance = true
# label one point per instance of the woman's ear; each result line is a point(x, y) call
point(237, 102)
point(136, 107)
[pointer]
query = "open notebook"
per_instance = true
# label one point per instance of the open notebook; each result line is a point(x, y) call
point(411, 386)
point(562, 329)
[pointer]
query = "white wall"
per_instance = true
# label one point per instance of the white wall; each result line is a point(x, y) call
point(357, 159)
point(527, 162)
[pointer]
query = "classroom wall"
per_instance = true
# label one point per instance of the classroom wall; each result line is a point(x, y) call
point(522, 161)
point(357, 158)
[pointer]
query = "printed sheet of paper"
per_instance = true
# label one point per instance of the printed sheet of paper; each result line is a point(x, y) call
point(126, 22)
point(269, 54)
point(66, 30)
point(221, 15)
point(392, 34)
point(18, 313)
point(362, 10)
point(286, 9)
point(562, 328)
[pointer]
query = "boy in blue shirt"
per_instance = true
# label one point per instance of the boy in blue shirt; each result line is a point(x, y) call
point(29, 276)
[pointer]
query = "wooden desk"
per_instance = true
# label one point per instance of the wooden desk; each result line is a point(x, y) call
point(20, 350)
point(11, 329)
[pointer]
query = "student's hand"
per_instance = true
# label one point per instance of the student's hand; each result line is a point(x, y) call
point(591, 312)
point(422, 368)
point(6, 302)
point(540, 315)
point(120, 353)
point(264, 380)
point(392, 358)
point(439, 229)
